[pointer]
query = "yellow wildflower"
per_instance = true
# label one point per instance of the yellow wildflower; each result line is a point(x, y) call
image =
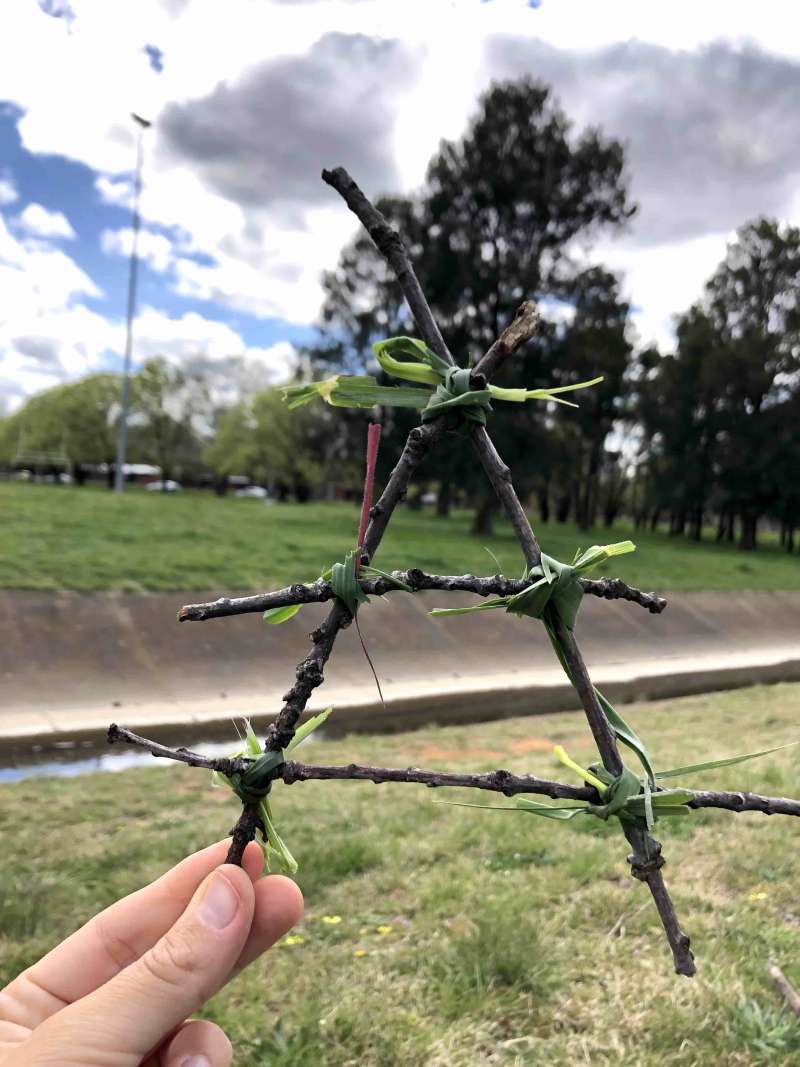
point(383, 930)
point(332, 920)
point(359, 952)
point(293, 939)
point(757, 895)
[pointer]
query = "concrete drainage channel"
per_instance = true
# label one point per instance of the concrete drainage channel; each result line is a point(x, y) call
point(72, 664)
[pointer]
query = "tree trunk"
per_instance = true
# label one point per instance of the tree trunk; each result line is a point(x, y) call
point(483, 523)
point(677, 523)
point(543, 501)
point(221, 485)
point(444, 497)
point(748, 541)
point(610, 513)
point(655, 518)
point(789, 538)
point(696, 526)
point(414, 498)
point(563, 507)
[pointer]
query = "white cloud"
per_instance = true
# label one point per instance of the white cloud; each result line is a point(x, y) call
point(258, 259)
point(51, 337)
point(40, 222)
point(278, 360)
point(8, 191)
point(662, 280)
point(154, 248)
point(34, 275)
point(679, 24)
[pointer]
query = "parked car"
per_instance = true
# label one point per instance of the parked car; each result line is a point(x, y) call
point(253, 492)
point(163, 487)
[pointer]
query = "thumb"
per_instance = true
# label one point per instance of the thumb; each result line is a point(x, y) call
point(131, 1014)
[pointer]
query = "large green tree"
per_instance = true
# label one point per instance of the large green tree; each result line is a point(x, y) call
point(719, 413)
point(493, 224)
point(169, 412)
point(679, 408)
point(77, 420)
point(753, 301)
point(289, 451)
point(594, 342)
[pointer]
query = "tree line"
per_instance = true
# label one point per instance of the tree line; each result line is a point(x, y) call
point(703, 434)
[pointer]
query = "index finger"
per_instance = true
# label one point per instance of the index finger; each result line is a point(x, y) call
point(111, 940)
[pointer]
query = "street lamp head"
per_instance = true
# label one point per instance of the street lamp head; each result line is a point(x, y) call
point(142, 122)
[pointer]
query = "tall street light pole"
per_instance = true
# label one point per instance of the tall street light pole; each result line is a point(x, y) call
point(122, 434)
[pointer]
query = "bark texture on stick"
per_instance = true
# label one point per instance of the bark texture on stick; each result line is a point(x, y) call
point(243, 833)
point(521, 329)
point(390, 245)
point(320, 591)
point(646, 862)
point(497, 781)
point(500, 477)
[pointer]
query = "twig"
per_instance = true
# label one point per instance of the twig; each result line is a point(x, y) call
point(498, 781)
point(310, 671)
point(646, 862)
point(420, 439)
point(227, 766)
point(243, 833)
point(391, 247)
point(616, 589)
point(705, 798)
point(784, 987)
point(598, 723)
point(521, 329)
point(500, 477)
point(320, 591)
point(645, 848)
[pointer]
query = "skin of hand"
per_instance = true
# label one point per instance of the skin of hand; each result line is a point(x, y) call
point(117, 993)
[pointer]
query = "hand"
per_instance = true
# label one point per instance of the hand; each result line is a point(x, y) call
point(119, 990)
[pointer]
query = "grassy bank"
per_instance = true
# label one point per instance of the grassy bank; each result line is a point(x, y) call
point(88, 539)
point(442, 936)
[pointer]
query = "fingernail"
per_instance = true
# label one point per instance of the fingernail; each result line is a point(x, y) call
point(219, 905)
point(196, 1061)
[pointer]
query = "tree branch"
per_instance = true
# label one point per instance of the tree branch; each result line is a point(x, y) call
point(500, 477)
point(226, 766)
point(243, 833)
point(391, 247)
point(616, 589)
point(521, 329)
point(497, 781)
point(646, 862)
point(310, 672)
point(320, 591)
point(645, 848)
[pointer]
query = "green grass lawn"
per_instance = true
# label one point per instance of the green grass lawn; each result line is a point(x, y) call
point(459, 937)
point(88, 539)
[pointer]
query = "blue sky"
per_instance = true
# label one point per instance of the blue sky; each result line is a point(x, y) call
point(238, 227)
